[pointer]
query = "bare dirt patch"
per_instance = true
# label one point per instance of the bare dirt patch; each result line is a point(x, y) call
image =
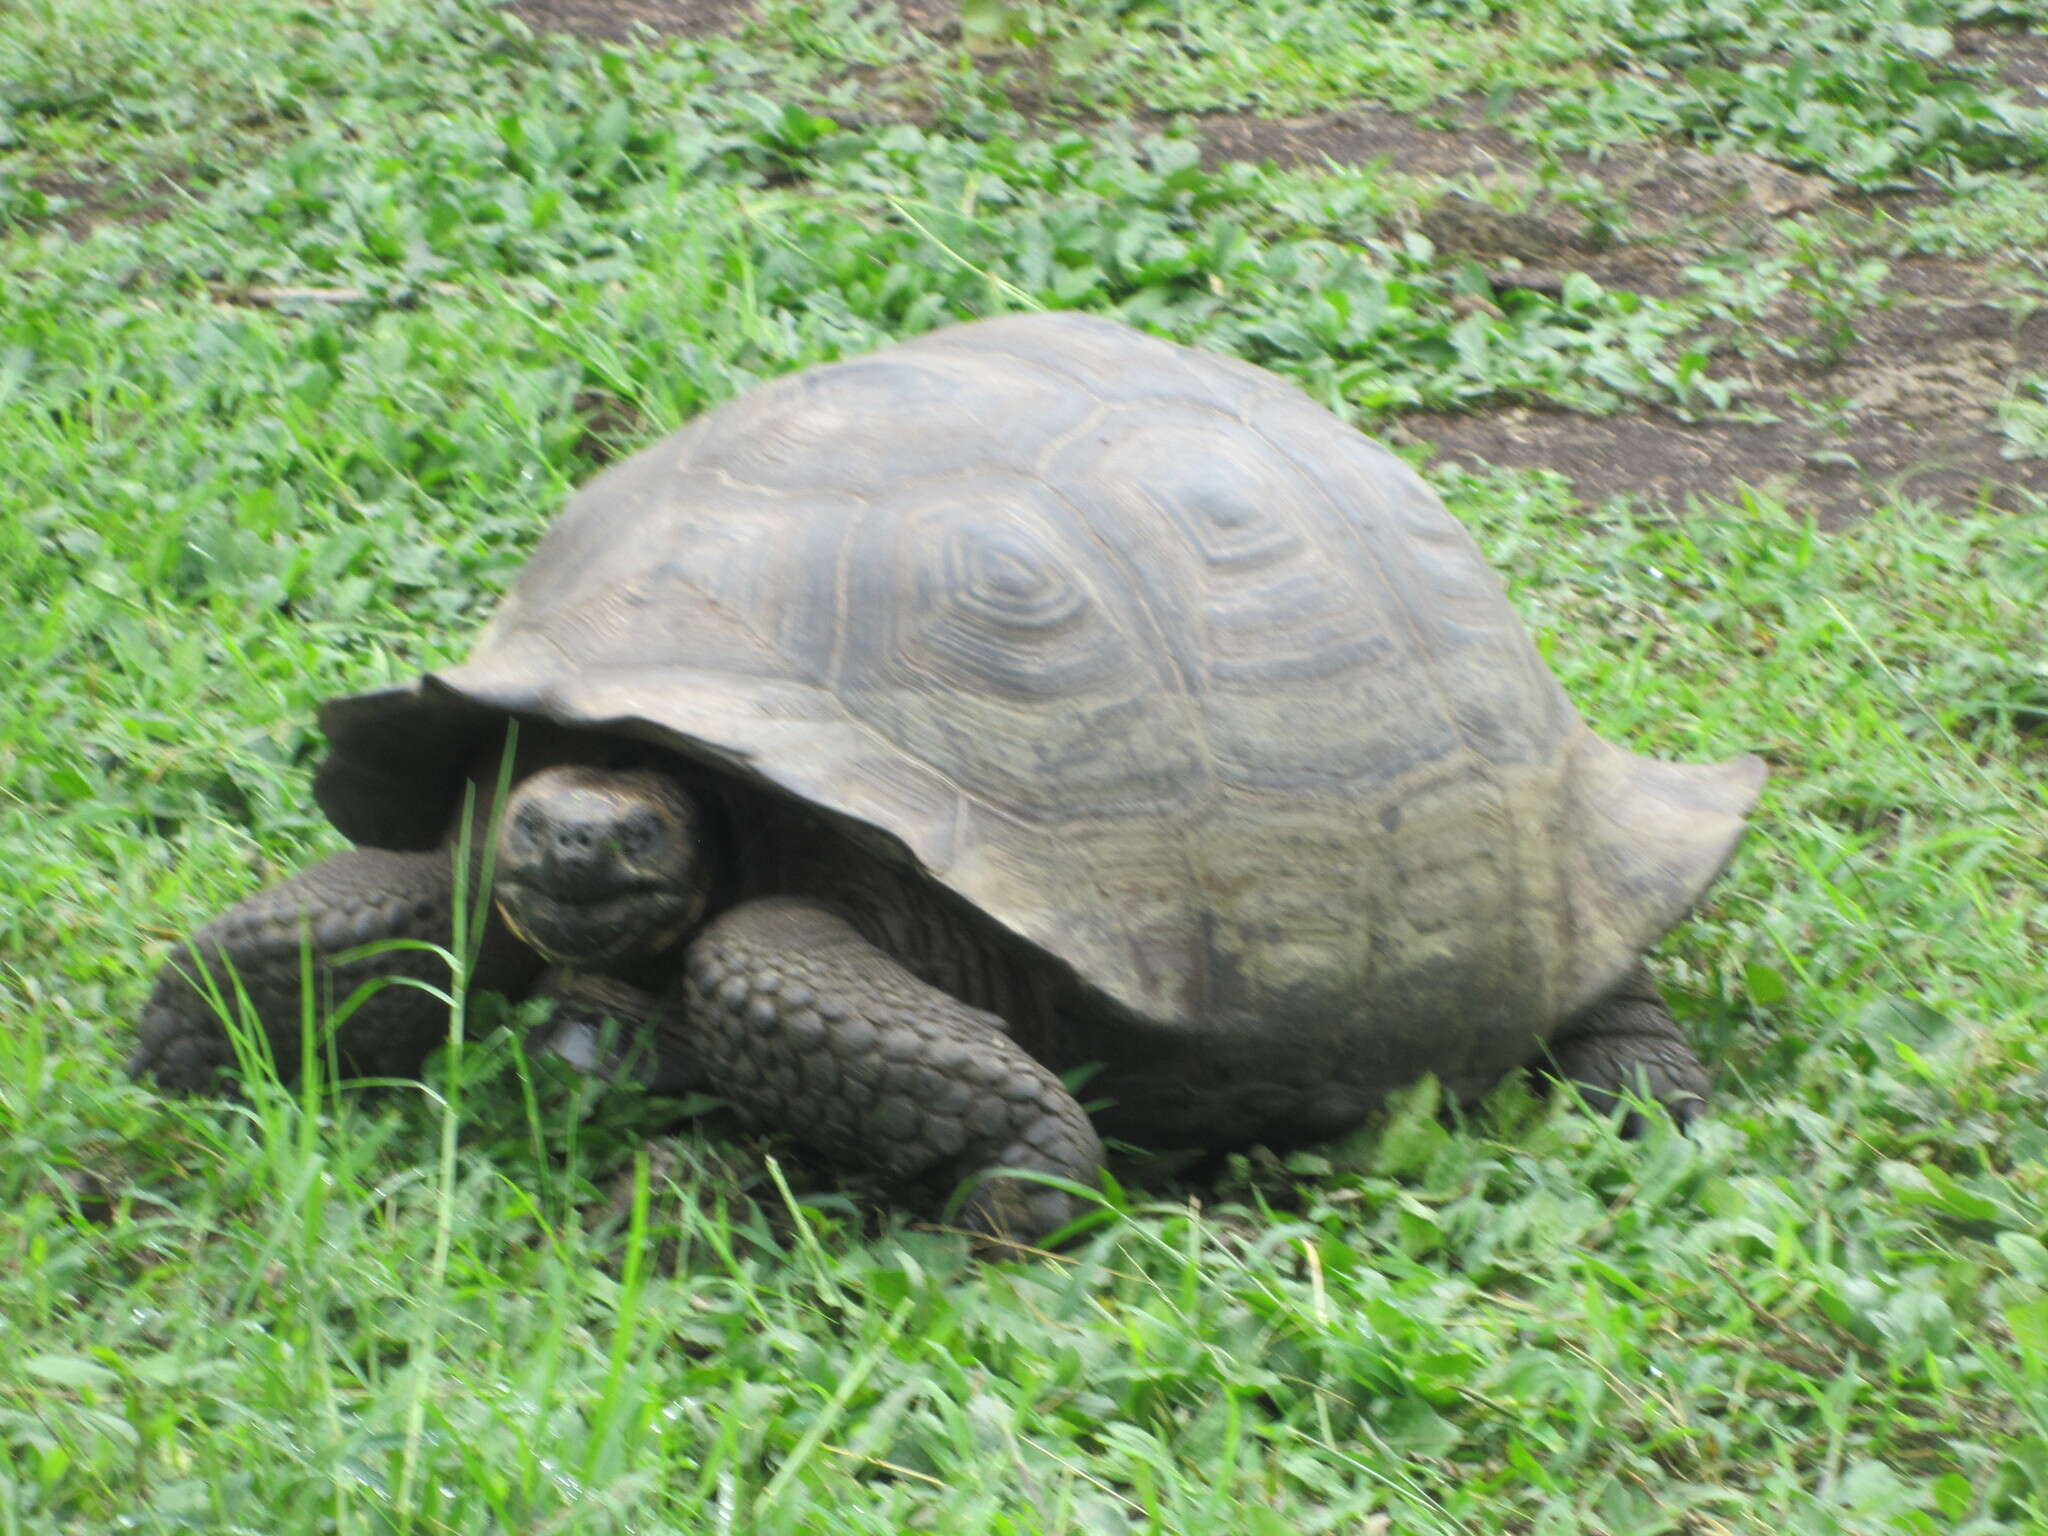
point(1631, 219)
point(622, 20)
point(1907, 405)
point(1662, 463)
point(2020, 57)
point(1360, 136)
point(1664, 191)
point(1910, 408)
point(78, 202)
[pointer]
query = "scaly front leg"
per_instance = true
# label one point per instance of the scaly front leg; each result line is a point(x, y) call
point(808, 1027)
point(355, 898)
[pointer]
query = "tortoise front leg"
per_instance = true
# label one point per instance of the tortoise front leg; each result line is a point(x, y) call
point(355, 898)
point(806, 1026)
point(1629, 1042)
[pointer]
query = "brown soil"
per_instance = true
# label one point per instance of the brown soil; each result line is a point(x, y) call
point(1907, 405)
point(80, 202)
point(1908, 408)
point(617, 20)
point(1663, 463)
point(622, 20)
point(2021, 58)
point(1664, 191)
point(1360, 136)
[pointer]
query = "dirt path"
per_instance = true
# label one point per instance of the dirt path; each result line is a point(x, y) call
point(616, 20)
point(1899, 397)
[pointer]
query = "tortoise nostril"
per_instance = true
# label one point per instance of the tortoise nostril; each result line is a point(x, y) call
point(579, 849)
point(577, 858)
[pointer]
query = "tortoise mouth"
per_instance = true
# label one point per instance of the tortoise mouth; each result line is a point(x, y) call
point(632, 922)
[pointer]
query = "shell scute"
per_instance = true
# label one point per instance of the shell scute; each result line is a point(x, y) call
point(980, 637)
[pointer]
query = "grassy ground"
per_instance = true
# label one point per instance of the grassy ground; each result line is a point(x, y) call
point(314, 312)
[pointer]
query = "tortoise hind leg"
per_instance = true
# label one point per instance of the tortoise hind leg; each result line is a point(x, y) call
point(355, 898)
point(809, 1028)
point(1629, 1042)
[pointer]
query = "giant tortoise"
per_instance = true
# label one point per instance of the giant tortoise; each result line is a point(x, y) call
point(1031, 698)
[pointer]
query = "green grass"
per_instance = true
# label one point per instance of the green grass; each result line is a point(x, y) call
point(467, 1308)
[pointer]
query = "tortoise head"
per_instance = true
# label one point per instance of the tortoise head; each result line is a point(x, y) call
point(600, 866)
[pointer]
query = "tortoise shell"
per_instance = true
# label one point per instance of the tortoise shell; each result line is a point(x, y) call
point(1149, 658)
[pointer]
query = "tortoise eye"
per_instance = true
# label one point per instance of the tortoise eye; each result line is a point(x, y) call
point(639, 833)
